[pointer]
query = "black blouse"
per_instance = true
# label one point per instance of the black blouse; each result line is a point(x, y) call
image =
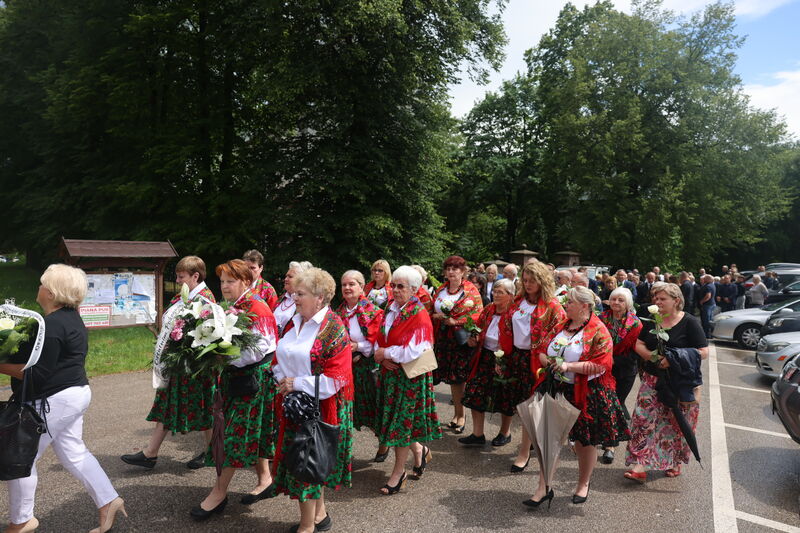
point(687, 333)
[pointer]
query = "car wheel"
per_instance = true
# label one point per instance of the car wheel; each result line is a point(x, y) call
point(748, 335)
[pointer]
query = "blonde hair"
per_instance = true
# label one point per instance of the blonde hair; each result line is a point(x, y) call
point(582, 295)
point(384, 264)
point(421, 271)
point(672, 290)
point(542, 275)
point(356, 275)
point(318, 282)
point(300, 266)
point(67, 283)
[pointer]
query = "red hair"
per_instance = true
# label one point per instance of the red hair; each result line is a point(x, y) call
point(455, 261)
point(236, 269)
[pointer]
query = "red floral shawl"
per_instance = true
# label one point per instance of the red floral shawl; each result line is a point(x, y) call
point(264, 290)
point(460, 311)
point(425, 298)
point(597, 348)
point(546, 321)
point(368, 315)
point(411, 324)
point(331, 356)
point(623, 335)
point(484, 319)
point(259, 312)
point(371, 285)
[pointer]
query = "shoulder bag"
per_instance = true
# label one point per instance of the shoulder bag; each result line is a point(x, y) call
point(312, 454)
point(21, 427)
point(421, 365)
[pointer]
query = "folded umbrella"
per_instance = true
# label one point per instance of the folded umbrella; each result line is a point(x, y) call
point(218, 432)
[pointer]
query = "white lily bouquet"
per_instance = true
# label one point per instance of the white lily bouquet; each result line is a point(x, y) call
point(205, 338)
point(17, 326)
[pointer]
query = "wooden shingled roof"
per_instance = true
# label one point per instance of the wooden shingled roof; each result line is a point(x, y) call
point(76, 248)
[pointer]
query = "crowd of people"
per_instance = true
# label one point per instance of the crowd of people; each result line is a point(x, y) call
point(496, 337)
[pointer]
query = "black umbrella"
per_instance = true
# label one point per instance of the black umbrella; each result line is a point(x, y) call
point(668, 395)
point(218, 431)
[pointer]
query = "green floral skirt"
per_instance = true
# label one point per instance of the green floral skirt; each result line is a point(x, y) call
point(244, 419)
point(184, 405)
point(342, 472)
point(365, 401)
point(406, 409)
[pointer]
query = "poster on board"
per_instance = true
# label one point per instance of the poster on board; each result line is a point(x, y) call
point(129, 298)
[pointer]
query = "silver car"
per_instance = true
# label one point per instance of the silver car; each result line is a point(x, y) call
point(744, 325)
point(774, 350)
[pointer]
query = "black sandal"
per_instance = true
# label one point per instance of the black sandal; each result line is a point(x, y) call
point(381, 457)
point(394, 490)
point(426, 456)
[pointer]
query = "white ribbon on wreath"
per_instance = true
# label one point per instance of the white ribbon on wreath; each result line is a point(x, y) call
point(38, 342)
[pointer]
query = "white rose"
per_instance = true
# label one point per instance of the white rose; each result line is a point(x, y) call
point(562, 341)
point(652, 309)
point(499, 354)
point(185, 293)
point(6, 323)
point(469, 303)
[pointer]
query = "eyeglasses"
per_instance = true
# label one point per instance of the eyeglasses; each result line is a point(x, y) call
point(377, 270)
point(398, 286)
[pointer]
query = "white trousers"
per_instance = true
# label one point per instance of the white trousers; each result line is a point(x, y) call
point(65, 425)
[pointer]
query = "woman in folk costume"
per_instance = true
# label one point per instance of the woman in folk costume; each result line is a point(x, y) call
point(315, 343)
point(530, 326)
point(455, 301)
point(422, 293)
point(286, 306)
point(624, 327)
point(245, 391)
point(486, 389)
point(379, 289)
point(362, 319)
point(584, 344)
point(260, 287)
point(407, 407)
point(183, 403)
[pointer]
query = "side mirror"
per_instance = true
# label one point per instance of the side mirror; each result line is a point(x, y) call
point(785, 310)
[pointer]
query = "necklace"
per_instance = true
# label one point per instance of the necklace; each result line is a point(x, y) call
point(452, 292)
point(575, 330)
point(286, 307)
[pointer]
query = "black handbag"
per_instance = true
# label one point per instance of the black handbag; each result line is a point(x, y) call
point(461, 336)
point(21, 427)
point(246, 385)
point(312, 454)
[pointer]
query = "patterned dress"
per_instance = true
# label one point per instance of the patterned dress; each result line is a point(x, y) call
point(249, 431)
point(602, 421)
point(380, 297)
point(407, 406)
point(263, 289)
point(330, 355)
point(624, 333)
point(365, 400)
point(452, 358)
point(185, 404)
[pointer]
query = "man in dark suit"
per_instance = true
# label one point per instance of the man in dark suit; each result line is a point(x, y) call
point(643, 294)
point(687, 289)
point(622, 281)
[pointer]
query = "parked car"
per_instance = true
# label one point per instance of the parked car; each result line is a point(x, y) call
point(773, 351)
point(784, 321)
point(786, 398)
point(782, 266)
point(789, 292)
point(744, 325)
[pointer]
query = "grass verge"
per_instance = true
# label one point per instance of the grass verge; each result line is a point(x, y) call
point(111, 351)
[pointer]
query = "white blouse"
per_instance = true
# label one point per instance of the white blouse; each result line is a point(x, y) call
point(492, 339)
point(356, 335)
point(521, 323)
point(378, 296)
point(285, 311)
point(572, 353)
point(266, 344)
point(443, 296)
point(401, 354)
point(294, 354)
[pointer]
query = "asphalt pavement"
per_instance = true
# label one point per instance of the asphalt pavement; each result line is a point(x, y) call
point(468, 490)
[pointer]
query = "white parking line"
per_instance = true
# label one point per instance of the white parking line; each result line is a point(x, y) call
point(722, 491)
point(756, 430)
point(735, 349)
point(766, 522)
point(753, 366)
point(744, 388)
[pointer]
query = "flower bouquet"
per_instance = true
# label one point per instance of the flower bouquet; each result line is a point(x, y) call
point(205, 338)
point(18, 326)
point(561, 345)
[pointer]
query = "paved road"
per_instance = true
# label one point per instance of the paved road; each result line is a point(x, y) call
point(463, 489)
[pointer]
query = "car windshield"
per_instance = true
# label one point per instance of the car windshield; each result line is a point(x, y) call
point(773, 307)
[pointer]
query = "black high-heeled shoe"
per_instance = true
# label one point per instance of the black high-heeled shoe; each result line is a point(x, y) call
point(426, 456)
point(394, 490)
point(381, 457)
point(200, 514)
point(577, 500)
point(533, 504)
point(250, 499)
point(517, 469)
